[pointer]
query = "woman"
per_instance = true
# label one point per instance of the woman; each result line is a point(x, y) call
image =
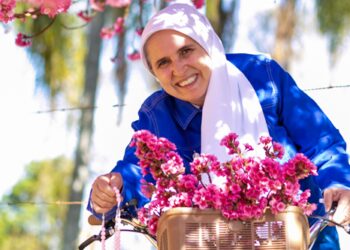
point(206, 94)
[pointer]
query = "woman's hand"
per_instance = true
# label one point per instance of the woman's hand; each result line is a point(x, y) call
point(103, 197)
point(342, 197)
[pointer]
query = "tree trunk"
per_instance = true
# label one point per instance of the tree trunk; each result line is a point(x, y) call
point(121, 74)
point(227, 29)
point(286, 22)
point(221, 15)
point(80, 173)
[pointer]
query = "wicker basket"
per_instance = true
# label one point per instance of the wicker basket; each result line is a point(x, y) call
point(194, 229)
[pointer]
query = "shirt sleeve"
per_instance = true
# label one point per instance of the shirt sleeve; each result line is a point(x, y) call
point(311, 131)
point(130, 172)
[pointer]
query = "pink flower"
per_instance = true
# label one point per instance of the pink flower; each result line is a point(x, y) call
point(278, 150)
point(265, 140)
point(300, 167)
point(272, 149)
point(85, 16)
point(230, 142)
point(134, 56)
point(208, 197)
point(163, 184)
point(143, 215)
point(248, 147)
point(250, 184)
point(117, 28)
point(277, 206)
point(139, 31)
point(118, 3)
point(174, 165)
point(199, 198)
point(119, 25)
point(274, 185)
point(7, 10)
point(23, 40)
point(53, 7)
point(308, 208)
point(107, 33)
point(202, 164)
point(291, 188)
point(272, 168)
point(180, 200)
point(198, 3)
point(152, 225)
point(187, 183)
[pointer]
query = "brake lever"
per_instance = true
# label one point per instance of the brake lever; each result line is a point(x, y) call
point(88, 241)
point(127, 214)
point(97, 237)
point(333, 208)
point(331, 212)
point(319, 225)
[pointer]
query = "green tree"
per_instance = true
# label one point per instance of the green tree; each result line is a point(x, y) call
point(334, 22)
point(59, 53)
point(283, 24)
point(59, 49)
point(222, 15)
point(31, 217)
point(82, 152)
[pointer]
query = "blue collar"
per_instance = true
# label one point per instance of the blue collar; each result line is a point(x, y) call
point(184, 112)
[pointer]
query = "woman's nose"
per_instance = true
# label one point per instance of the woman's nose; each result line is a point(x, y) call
point(179, 67)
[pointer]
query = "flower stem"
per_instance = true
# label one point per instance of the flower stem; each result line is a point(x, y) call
point(43, 30)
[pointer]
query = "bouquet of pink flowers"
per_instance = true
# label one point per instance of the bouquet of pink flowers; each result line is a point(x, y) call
point(251, 184)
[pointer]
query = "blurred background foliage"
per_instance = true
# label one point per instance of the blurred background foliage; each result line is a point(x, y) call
point(67, 59)
point(34, 220)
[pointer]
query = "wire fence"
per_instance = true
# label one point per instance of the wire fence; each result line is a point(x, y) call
point(79, 108)
point(328, 87)
point(45, 203)
point(122, 105)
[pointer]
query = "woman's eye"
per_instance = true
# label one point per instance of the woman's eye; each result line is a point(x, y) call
point(162, 63)
point(186, 51)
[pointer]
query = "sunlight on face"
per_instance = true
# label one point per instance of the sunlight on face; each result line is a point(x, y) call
point(181, 65)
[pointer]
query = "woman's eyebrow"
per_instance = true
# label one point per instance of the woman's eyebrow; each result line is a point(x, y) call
point(187, 46)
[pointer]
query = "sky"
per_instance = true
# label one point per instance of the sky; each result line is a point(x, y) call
point(26, 136)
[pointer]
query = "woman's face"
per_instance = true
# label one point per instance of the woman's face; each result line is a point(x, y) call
point(181, 65)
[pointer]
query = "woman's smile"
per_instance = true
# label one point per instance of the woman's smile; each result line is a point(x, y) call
point(188, 81)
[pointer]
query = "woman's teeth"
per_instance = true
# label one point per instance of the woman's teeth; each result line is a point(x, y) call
point(187, 81)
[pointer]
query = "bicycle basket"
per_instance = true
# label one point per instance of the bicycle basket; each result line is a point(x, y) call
point(194, 229)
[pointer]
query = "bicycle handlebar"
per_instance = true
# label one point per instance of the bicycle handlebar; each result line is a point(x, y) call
point(128, 219)
point(109, 232)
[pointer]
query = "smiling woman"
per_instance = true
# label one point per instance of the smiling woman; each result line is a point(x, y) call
point(221, 109)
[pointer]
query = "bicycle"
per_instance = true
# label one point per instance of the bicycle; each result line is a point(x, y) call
point(128, 218)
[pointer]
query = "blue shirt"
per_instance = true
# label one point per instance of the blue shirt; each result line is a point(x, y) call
point(293, 119)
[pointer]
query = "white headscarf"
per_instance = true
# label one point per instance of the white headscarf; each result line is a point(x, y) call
point(231, 104)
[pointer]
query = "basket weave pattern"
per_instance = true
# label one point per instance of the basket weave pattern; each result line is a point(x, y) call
point(194, 229)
